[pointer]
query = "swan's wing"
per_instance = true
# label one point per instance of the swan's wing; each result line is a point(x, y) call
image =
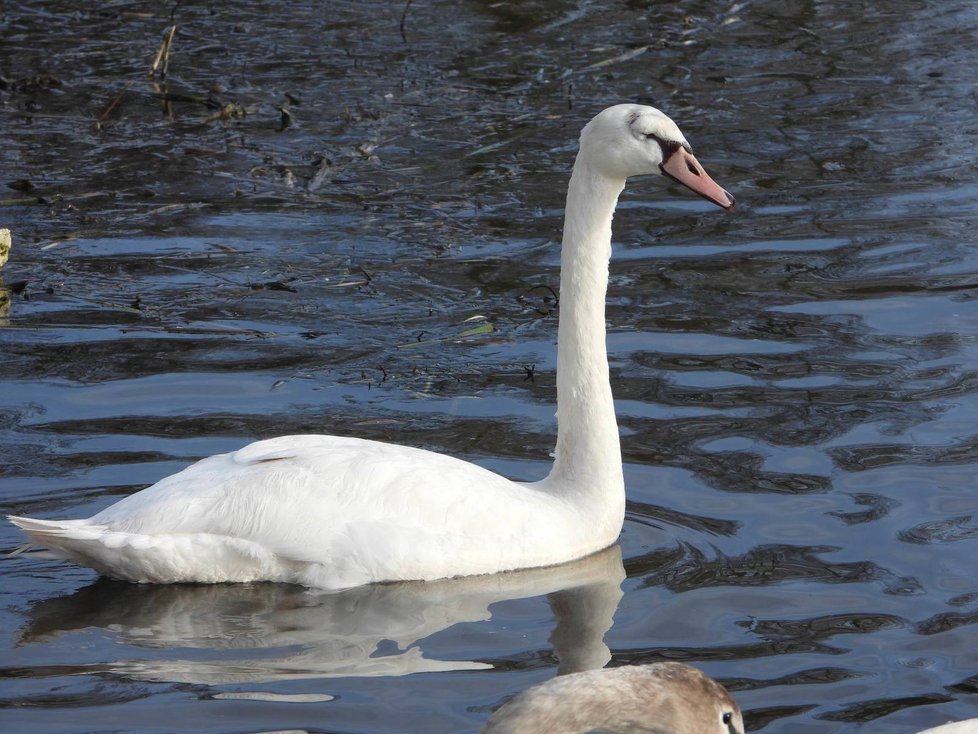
point(383, 510)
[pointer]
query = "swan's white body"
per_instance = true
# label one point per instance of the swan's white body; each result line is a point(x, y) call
point(335, 512)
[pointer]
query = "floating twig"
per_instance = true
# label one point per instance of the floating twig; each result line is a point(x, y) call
point(499, 144)
point(522, 298)
point(324, 168)
point(407, 6)
point(286, 117)
point(162, 59)
point(4, 246)
point(111, 106)
point(627, 56)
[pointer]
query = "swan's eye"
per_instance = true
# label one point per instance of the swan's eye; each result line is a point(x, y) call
point(668, 146)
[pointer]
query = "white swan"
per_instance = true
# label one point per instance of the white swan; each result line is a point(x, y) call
point(969, 726)
point(336, 512)
point(659, 698)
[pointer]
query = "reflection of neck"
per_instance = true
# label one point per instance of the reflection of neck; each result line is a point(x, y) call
point(583, 615)
point(588, 455)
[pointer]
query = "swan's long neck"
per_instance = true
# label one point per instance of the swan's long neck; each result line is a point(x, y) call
point(588, 456)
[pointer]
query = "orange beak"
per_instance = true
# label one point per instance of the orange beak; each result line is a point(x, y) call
point(681, 166)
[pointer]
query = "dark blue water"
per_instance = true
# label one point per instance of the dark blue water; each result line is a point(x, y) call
point(796, 383)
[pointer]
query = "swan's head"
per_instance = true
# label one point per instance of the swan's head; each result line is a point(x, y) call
point(658, 697)
point(632, 140)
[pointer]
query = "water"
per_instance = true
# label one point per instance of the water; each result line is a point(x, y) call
point(796, 382)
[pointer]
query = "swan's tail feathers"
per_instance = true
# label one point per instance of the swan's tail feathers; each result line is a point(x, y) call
point(84, 543)
point(61, 537)
point(88, 544)
point(43, 530)
point(161, 558)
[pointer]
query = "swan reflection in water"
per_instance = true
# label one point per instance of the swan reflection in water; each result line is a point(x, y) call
point(275, 632)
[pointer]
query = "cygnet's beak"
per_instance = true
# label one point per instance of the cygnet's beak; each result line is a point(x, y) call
point(681, 166)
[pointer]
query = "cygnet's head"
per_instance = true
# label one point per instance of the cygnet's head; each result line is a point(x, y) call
point(639, 699)
point(632, 140)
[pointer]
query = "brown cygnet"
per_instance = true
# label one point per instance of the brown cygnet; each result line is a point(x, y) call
point(661, 698)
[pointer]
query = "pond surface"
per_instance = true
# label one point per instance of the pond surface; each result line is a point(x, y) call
point(344, 217)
